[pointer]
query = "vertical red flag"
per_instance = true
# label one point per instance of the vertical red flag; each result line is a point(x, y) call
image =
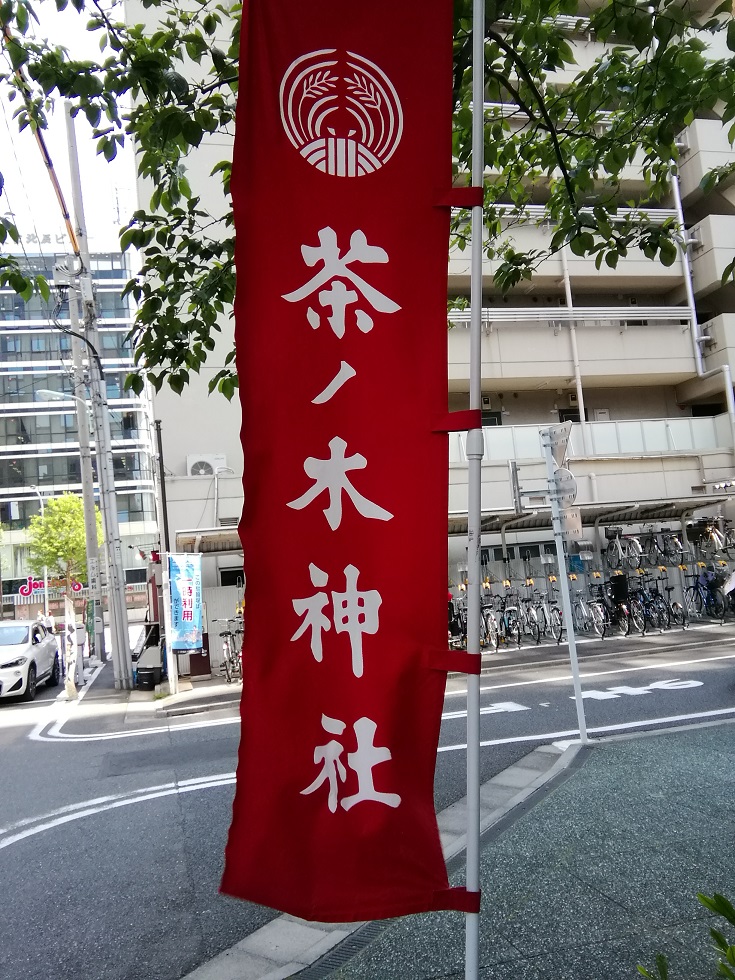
point(342, 161)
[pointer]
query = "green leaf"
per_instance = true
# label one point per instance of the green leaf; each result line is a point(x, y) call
point(43, 288)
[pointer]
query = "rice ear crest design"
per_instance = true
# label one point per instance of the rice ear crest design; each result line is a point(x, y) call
point(341, 112)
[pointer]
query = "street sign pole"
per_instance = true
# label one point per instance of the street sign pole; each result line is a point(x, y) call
point(554, 451)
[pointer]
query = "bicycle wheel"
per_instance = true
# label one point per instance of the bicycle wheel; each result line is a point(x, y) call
point(637, 615)
point(692, 602)
point(491, 625)
point(581, 622)
point(673, 550)
point(653, 615)
point(557, 625)
point(227, 664)
point(543, 622)
point(598, 618)
point(664, 613)
point(513, 626)
point(633, 557)
point(623, 619)
point(677, 614)
point(534, 626)
point(653, 552)
point(612, 555)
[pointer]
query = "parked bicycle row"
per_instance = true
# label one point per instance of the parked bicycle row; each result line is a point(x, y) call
point(708, 538)
point(643, 603)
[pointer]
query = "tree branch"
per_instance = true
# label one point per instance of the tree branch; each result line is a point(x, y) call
point(528, 79)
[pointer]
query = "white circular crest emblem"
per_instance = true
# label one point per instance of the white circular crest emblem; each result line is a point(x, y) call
point(342, 114)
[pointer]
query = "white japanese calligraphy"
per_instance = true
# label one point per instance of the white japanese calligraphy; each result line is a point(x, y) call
point(335, 268)
point(346, 371)
point(331, 475)
point(354, 613)
point(362, 762)
point(312, 611)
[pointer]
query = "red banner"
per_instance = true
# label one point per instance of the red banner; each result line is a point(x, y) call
point(342, 166)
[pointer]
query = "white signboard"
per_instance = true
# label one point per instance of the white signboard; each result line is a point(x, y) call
point(571, 524)
point(558, 439)
point(564, 487)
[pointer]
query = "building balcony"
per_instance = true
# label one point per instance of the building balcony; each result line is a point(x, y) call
point(712, 251)
point(528, 346)
point(705, 147)
point(636, 272)
point(622, 462)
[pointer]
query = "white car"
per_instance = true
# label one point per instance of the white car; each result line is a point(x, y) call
point(28, 654)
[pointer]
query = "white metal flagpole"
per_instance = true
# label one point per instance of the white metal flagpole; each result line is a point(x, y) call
point(474, 504)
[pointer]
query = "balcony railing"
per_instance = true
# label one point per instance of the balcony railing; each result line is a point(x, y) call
point(620, 317)
point(634, 437)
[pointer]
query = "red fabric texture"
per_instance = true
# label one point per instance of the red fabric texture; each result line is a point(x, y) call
point(340, 87)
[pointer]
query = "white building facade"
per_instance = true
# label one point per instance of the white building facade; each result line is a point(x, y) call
point(639, 357)
point(39, 442)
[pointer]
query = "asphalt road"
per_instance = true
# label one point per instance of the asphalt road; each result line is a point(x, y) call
point(112, 830)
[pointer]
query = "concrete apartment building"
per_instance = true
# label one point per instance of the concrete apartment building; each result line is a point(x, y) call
point(39, 443)
point(647, 389)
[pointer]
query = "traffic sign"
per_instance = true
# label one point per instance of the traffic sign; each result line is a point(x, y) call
point(564, 487)
point(571, 524)
point(558, 438)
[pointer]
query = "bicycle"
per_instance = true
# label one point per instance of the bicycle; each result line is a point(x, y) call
point(710, 540)
point(554, 617)
point(588, 615)
point(669, 550)
point(676, 611)
point(704, 596)
point(509, 623)
point(614, 599)
point(622, 549)
point(529, 619)
point(231, 665)
point(647, 607)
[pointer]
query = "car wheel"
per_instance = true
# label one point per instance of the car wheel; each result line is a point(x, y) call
point(55, 676)
point(30, 691)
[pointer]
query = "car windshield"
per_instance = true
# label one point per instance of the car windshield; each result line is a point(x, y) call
point(14, 635)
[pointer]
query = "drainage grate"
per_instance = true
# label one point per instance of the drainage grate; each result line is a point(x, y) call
point(343, 953)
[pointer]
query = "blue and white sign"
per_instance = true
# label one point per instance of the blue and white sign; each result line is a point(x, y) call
point(185, 577)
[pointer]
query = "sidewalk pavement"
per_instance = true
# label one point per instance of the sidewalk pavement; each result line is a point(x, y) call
point(600, 875)
point(591, 860)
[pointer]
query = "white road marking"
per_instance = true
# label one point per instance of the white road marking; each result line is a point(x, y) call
point(13, 834)
point(573, 733)
point(604, 656)
point(55, 734)
point(488, 709)
point(598, 673)
point(31, 827)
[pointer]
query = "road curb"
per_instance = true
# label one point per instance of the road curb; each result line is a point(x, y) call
point(286, 946)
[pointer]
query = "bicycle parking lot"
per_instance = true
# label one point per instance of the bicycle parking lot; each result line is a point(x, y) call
point(642, 583)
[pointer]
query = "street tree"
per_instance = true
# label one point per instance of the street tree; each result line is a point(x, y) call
point(57, 540)
point(555, 134)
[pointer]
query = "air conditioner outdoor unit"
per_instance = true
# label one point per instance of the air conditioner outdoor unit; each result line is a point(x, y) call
point(204, 464)
point(573, 400)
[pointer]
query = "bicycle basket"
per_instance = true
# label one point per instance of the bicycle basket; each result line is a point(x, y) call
point(613, 532)
point(719, 580)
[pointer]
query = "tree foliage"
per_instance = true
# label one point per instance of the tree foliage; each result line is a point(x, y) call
point(556, 134)
point(57, 540)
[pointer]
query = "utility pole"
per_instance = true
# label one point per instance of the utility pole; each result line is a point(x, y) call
point(163, 516)
point(81, 289)
point(90, 511)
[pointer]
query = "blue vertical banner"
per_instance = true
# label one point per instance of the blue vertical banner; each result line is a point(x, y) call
point(185, 577)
